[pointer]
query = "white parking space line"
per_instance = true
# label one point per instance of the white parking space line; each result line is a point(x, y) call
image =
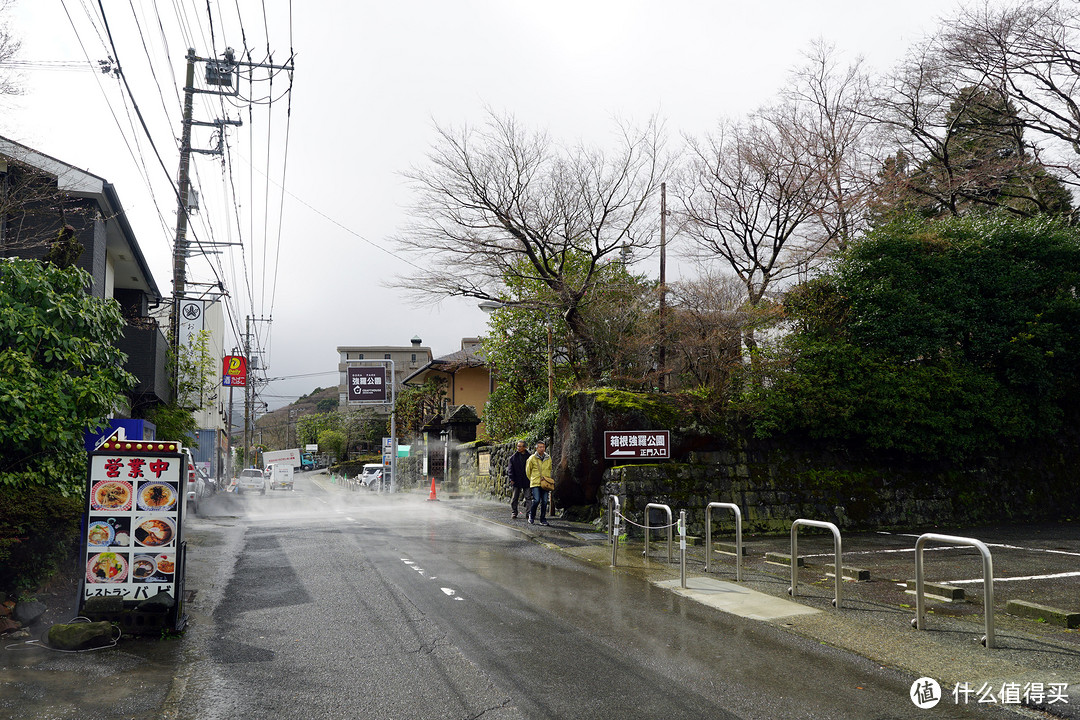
point(1053, 576)
point(897, 550)
point(1033, 549)
point(938, 548)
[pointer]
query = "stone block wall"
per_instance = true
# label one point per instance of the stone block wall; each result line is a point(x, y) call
point(466, 462)
point(774, 486)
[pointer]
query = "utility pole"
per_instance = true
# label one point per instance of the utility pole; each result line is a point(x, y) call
point(661, 355)
point(221, 78)
point(219, 74)
point(248, 439)
point(249, 391)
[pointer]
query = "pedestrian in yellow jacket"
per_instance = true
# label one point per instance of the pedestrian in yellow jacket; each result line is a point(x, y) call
point(538, 469)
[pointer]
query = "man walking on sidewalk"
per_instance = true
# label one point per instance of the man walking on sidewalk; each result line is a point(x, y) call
point(519, 481)
point(538, 468)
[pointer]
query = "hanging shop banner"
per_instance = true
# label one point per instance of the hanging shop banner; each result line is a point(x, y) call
point(134, 520)
point(192, 321)
point(234, 371)
point(367, 384)
point(636, 444)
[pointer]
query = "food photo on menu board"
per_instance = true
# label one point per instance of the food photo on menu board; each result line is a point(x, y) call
point(157, 496)
point(109, 531)
point(154, 531)
point(111, 496)
point(107, 567)
point(153, 568)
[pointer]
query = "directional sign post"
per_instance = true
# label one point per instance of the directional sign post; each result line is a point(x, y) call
point(367, 385)
point(637, 444)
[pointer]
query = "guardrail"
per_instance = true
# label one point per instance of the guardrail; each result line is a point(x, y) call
point(614, 512)
point(738, 535)
point(988, 580)
point(794, 589)
point(667, 509)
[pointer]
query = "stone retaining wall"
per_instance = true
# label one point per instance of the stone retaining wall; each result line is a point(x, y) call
point(773, 487)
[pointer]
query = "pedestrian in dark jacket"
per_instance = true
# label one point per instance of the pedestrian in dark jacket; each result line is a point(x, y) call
point(519, 481)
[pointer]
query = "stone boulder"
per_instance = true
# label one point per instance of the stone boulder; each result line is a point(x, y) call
point(161, 602)
point(27, 612)
point(80, 636)
point(578, 451)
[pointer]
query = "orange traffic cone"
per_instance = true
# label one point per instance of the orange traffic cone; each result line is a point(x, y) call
point(432, 495)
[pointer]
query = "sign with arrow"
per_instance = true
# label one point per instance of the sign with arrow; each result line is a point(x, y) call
point(637, 444)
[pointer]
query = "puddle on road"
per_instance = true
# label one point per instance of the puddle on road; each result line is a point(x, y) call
point(129, 681)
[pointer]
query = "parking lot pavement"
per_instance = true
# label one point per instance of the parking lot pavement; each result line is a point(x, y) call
point(1034, 563)
point(1038, 563)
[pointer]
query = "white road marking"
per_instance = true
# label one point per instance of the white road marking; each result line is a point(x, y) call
point(932, 548)
point(1032, 549)
point(896, 550)
point(1053, 576)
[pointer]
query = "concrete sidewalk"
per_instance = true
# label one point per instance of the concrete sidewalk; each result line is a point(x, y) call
point(874, 620)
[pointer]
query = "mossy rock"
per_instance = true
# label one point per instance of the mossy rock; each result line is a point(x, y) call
point(80, 636)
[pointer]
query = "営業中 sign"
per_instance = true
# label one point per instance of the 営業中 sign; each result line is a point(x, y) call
point(136, 492)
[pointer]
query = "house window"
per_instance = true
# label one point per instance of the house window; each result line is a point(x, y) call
point(386, 356)
point(360, 356)
point(414, 357)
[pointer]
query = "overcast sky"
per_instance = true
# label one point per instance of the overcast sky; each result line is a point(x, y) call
point(371, 79)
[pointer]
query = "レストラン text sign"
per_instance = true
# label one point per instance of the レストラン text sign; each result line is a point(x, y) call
point(634, 444)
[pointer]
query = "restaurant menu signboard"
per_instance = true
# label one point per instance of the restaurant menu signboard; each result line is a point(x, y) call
point(135, 501)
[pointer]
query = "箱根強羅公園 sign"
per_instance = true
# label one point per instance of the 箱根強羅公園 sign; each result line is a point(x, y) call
point(637, 444)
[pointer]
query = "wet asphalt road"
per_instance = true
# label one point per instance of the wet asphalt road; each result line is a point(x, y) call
point(317, 604)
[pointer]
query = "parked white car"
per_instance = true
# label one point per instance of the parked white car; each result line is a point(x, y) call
point(371, 475)
point(193, 490)
point(251, 479)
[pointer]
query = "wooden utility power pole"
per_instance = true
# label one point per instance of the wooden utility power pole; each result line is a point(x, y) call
point(222, 78)
point(661, 353)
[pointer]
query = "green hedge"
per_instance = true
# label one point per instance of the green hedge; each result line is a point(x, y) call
point(39, 530)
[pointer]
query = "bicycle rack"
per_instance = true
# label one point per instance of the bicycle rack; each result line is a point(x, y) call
point(667, 509)
point(988, 580)
point(738, 536)
point(613, 527)
point(682, 549)
point(794, 589)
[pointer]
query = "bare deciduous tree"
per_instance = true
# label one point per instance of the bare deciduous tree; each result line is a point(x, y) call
point(33, 205)
point(705, 331)
point(955, 118)
point(1030, 54)
point(825, 113)
point(750, 195)
point(9, 48)
point(498, 203)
